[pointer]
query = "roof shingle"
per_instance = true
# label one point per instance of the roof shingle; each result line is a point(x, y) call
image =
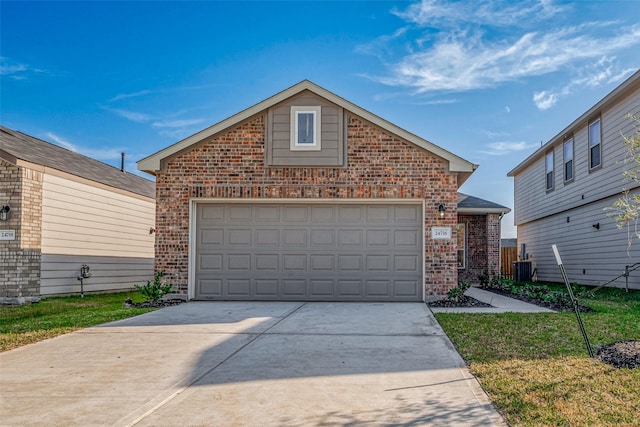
point(24, 147)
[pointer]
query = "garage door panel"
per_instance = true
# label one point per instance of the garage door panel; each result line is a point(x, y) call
point(267, 287)
point(350, 213)
point(322, 238)
point(324, 263)
point(294, 262)
point(239, 213)
point(267, 262)
point(239, 262)
point(294, 287)
point(349, 288)
point(379, 214)
point(239, 287)
point(406, 263)
point(210, 287)
point(321, 288)
point(350, 238)
point(349, 263)
point(210, 262)
point(406, 288)
point(211, 236)
point(377, 288)
point(379, 263)
point(294, 237)
point(323, 252)
point(268, 237)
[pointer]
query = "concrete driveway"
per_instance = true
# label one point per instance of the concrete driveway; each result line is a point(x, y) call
point(248, 364)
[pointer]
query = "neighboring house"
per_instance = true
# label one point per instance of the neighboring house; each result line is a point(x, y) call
point(562, 190)
point(306, 196)
point(67, 210)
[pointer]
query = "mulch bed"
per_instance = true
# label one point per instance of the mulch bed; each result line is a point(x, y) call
point(151, 304)
point(465, 301)
point(625, 354)
point(542, 303)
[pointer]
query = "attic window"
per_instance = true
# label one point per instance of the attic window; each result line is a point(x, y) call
point(305, 128)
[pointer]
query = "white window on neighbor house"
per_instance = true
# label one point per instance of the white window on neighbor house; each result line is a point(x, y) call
point(305, 128)
point(595, 144)
point(548, 168)
point(568, 160)
point(462, 242)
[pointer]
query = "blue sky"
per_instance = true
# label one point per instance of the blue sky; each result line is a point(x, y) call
point(486, 80)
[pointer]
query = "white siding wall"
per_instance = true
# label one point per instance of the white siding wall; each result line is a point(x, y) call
point(109, 231)
point(590, 256)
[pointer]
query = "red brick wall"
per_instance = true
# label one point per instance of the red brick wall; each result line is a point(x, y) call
point(232, 166)
point(482, 246)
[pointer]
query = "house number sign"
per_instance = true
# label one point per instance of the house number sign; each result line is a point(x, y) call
point(441, 233)
point(7, 234)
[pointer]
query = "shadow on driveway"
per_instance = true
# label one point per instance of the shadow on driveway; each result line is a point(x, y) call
point(237, 363)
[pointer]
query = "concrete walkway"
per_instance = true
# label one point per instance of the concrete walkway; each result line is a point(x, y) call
point(501, 304)
point(248, 364)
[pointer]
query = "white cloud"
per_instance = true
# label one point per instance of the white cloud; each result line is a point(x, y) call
point(176, 123)
point(98, 154)
point(492, 12)
point(601, 72)
point(504, 147)
point(129, 95)
point(133, 116)
point(16, 70)
point(467, 45)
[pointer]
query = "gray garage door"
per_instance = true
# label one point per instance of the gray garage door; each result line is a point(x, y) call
point(308, 252)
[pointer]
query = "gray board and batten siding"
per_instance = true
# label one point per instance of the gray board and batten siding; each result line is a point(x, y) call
point(278, 152)
point(309, 251)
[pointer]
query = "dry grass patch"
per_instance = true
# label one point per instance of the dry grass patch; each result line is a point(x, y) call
point(562, 391)
point(535, 367)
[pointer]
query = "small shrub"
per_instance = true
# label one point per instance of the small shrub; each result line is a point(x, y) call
point(483, 279)
point(156, 290)
point(458, 292)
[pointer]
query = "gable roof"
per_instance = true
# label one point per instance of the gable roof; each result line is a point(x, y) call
point(153, 163)
point(623, 89)
point(16, 147)
point(476, 205)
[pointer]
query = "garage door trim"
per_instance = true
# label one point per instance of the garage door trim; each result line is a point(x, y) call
point(191, 289)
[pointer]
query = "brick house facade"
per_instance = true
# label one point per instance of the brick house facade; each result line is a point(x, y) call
point(20, 257)
point(227, 163)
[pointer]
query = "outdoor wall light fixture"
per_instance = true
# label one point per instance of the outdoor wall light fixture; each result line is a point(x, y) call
point(441, 210)
point(4, 213)
point(152, 230)
point(596, 226)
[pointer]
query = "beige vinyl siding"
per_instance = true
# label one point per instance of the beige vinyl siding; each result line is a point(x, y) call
point(279, 152)
point(107, 230)
point(589, 255)
point(532, 201)
point(59, 273)
point(79, 219)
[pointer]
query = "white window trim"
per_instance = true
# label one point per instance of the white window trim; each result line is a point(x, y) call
point(548, 171)
point(565, 160)
point(592, 122)
point(317, 144)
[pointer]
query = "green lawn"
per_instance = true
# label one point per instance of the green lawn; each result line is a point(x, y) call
point(536, 369)
point(26, 324)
